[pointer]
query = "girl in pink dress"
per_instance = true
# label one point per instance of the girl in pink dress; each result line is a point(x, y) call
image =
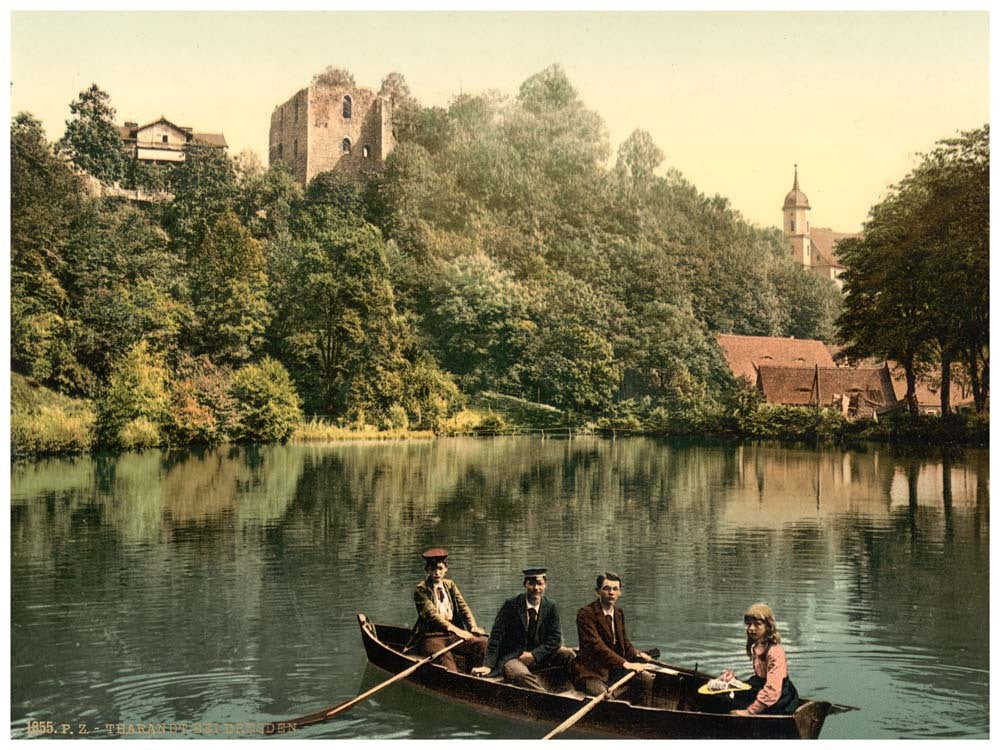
point(771, 692)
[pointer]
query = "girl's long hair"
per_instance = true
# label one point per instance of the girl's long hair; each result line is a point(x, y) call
point(761, 611)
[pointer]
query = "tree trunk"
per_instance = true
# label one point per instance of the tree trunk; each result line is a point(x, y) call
point(973, 367)
point(911, 389)
point(984, 385)
point(979, 385)
point(945, 382)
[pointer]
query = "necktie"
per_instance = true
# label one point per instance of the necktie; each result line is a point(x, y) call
point(532, 625)
point(440, 593)
point(611, 627)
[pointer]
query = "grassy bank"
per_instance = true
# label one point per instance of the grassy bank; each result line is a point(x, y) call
point(318, 430)
point(45, 422)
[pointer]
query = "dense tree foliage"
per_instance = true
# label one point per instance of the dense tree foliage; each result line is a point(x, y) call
point(92, 139)
point(917, 284)
point(496, 250)
point(228, 283)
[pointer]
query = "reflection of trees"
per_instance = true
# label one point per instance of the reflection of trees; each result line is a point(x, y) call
point(256, 559)
point(922, 576)
point(141, 557)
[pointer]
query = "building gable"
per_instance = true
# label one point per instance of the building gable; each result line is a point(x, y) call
point(162, 141)
point(859, 391)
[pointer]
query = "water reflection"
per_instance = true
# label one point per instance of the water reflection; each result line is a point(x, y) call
point(221, 585)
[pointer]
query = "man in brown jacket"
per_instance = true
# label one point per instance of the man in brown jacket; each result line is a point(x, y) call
point(606, 653)
point(443, 615)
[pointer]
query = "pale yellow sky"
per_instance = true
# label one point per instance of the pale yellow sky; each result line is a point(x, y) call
point(732, 99)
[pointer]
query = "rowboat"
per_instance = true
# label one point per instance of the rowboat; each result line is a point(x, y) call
point(678, 710)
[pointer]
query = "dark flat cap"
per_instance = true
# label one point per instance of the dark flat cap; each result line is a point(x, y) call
point(536, 570)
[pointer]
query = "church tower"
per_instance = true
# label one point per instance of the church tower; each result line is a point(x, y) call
point(796, 211)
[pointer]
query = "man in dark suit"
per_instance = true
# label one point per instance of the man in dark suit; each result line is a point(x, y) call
point(606, 654)
point(526, 635)
point(443, 614)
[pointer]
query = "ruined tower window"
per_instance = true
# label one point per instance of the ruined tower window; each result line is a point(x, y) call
point(346, 145)
point(793, 225)
point(281, 150)
point(295, 147)
point(347, 108)
point(164, 139)
point(366, 151)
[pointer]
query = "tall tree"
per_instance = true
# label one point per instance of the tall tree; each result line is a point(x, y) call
point(956, 197)
point(265, 201)
point(884, 313)
point(92, 139)
point(204, 188)
point(638, 156)
point(344, 326)
point(229, 293)
point(45, 203)
point(125, 284)
point(403, 107)
point(478, 314)
point(916, 284)
point(571, 360)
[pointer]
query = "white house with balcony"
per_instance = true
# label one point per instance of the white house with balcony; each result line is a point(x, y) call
point(163, 142)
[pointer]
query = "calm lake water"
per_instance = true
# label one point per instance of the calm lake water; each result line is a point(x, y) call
point(220, 588)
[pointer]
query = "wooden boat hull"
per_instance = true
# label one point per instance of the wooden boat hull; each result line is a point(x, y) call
point(675, 715)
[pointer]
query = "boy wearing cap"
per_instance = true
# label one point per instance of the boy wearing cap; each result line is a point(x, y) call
point(442, 614)
point(526, 635)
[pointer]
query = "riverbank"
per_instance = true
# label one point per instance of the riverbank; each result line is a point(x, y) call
point(44, 423)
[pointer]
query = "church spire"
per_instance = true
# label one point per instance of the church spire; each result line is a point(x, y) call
point(796, 198)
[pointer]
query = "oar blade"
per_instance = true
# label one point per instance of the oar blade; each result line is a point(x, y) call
point(329, 713)
point(840, 708)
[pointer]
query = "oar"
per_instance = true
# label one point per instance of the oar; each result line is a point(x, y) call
point(329, 713)
point(840, 708)
point(588, 708)
point(663, 666)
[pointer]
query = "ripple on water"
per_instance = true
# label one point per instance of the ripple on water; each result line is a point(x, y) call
point(120, 603)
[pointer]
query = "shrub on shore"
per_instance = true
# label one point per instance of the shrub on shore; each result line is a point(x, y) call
point(137, 389)
point(268, 408)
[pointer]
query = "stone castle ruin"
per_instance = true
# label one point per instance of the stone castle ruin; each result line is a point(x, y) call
point(331, 124)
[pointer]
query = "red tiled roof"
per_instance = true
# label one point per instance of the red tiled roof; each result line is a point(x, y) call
point(868, 388)
point(212, 139)
point(927, 387)
point(744, 353)
point(824, 242)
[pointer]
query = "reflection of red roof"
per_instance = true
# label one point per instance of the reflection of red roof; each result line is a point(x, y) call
point(824, 242)
point(744, 353)
point(800, 386)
